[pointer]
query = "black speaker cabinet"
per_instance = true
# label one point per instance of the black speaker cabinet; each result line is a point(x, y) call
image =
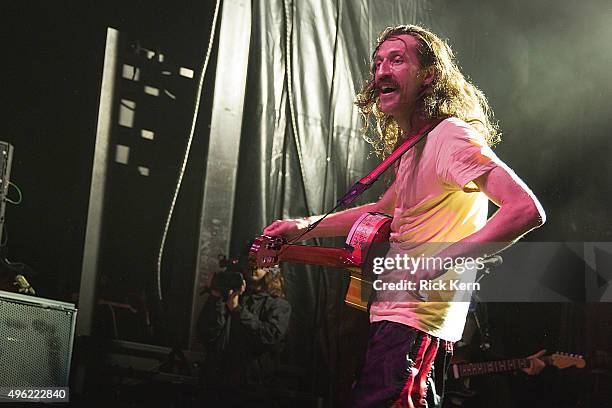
point(36, 338)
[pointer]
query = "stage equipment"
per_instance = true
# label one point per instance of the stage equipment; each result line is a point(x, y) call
point(6, 158)
point(157, 363)
point(36, 337)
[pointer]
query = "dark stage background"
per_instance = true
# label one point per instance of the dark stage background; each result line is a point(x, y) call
point(544, 66)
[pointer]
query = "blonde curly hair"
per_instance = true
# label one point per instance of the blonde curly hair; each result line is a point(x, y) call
point(449, 94)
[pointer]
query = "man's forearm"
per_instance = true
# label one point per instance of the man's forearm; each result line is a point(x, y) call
point(336, 224)
point(519, 212)
point(504, 228)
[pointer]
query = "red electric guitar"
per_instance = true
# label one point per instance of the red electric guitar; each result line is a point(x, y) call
point(356, 256)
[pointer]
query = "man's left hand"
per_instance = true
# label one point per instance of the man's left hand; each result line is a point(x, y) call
point(536, 365)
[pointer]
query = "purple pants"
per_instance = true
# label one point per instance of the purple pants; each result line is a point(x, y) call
point(398, 364)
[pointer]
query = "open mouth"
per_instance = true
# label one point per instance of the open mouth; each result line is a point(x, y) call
point(387, 89)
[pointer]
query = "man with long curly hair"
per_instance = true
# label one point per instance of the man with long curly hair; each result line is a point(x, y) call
point(440, 195)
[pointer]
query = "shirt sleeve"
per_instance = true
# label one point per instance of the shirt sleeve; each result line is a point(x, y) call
point(463, 156)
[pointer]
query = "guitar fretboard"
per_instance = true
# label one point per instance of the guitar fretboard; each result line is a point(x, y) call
point(487, 367)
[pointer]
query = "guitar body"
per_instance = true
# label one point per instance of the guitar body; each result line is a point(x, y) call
point(367, 239)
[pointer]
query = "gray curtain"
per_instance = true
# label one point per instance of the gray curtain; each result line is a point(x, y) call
point(301, 149)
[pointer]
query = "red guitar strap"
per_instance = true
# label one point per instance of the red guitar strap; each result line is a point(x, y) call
point(415, 388)
point(366, 182)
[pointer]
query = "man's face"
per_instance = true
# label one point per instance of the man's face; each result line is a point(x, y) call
point(397, 67)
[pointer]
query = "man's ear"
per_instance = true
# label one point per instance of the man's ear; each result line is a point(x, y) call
point(428, 74)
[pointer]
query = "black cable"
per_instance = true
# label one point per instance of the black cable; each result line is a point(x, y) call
point(330, 105)
point(289, 76)
point(4, 241)
point(444, 374)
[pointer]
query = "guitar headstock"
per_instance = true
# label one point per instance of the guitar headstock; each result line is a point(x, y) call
point(264, 252)
point(565, 360)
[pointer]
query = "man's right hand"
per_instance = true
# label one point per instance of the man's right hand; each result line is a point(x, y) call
point(289, 228)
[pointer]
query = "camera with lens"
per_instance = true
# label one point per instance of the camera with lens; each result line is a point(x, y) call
point(229, 278)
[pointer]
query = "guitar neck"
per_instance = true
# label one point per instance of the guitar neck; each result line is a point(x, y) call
point(322, 256)
point(487, 367)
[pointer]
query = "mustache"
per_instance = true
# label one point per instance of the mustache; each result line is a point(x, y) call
point(383, 82)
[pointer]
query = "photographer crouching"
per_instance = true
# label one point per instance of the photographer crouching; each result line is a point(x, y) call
point(243, 325)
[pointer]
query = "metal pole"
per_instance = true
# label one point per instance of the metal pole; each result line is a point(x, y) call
point(225, 130)
point(93, 234)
